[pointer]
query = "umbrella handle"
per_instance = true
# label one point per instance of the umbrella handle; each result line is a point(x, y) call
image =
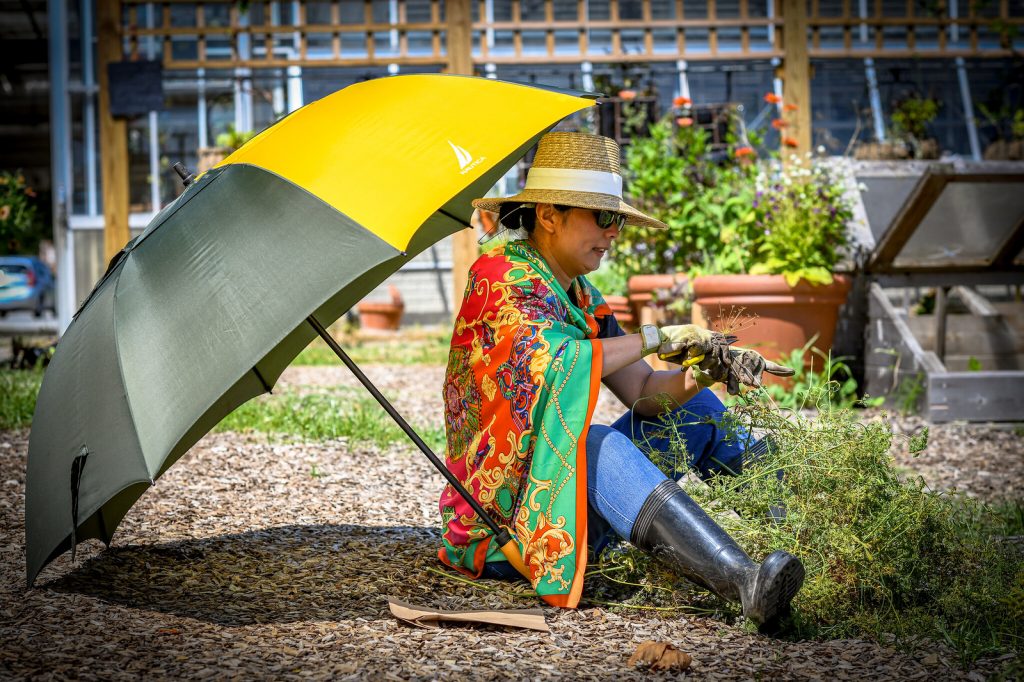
point(511, 552)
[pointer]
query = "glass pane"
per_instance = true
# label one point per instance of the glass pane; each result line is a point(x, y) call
point(139, 198)
point(179, 138)
point(966, 226)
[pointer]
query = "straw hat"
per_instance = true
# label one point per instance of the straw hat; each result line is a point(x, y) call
point(575, 169)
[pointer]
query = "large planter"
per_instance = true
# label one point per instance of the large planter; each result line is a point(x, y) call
point(382, 315)
point(641, 292)
point(623, 311)
point(770, 316)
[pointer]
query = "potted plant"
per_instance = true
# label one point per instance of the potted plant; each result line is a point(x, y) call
point(1009, 128)
point(758, 239)
point(382, 315)
point(227, 142)
point(908, 134)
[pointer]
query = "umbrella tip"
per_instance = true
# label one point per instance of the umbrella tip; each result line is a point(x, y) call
point(184, 173)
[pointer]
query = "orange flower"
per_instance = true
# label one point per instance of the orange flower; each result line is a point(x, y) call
point(5, 212)
point(30, 192)
point(772, 98)
point(779, 124)
point(743, 151)
point(790, 107)
point(684, 121)
point(682, 101)
point(627, 94)
point(790, 142)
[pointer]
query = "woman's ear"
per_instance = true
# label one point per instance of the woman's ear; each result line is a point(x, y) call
point(547, 217)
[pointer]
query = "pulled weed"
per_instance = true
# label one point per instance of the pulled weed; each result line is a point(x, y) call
point(883, 556)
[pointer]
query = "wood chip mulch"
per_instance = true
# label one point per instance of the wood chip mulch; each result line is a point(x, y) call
point(262, 558)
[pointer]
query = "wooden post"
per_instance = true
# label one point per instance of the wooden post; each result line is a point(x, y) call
point(460, 61)
point(940, 322)
point(796, 75)
point(113, 134)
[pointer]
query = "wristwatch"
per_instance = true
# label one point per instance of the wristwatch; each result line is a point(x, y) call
point(651, 338)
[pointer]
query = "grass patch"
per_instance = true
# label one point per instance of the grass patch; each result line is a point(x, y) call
point(323, 417)
point(18, 390)
point(883, 556)
point(415, 347)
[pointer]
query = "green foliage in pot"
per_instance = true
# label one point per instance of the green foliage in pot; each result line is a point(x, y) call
point(234, 139)
point(705, 204)
point(801, 222)
point(730, 213)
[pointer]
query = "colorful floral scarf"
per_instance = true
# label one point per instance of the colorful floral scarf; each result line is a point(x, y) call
point(519, 394)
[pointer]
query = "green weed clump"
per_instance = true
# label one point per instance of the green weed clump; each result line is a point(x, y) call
point(18, 389)
point(884, 556)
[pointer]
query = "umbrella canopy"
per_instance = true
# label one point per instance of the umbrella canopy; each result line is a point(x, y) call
point(207, 307)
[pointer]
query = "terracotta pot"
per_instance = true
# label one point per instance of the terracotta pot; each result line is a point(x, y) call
point(770, 316)
point(382, 315)
point(622, 309)
point(641, 290)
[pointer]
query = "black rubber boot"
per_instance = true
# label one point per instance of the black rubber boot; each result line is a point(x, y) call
point(674, 527)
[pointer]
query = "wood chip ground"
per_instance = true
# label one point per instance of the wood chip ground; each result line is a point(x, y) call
point(244, 562)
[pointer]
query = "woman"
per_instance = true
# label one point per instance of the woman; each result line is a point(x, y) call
point(532, 343)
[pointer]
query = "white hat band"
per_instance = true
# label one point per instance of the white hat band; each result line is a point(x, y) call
point(574, 180)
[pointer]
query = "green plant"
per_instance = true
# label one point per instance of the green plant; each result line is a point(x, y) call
point(911, 116)
point(908, 393)
point(730, 214)
point(884, 556)
point(323, 416)
point(18, 390)
point(234, 139)
point(20, 225)
point(830, 384)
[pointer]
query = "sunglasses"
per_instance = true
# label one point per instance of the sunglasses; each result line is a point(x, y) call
point(606, 219)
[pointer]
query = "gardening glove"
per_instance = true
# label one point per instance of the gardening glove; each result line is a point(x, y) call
point(735, 366)
point(679, 341)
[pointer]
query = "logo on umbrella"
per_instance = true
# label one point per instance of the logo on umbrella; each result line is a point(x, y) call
point(466, 160)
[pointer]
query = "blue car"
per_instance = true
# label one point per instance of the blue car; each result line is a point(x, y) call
point(26, 283)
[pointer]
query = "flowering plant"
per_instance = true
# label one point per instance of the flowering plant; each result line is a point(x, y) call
point(19, 216)
point(735, 210)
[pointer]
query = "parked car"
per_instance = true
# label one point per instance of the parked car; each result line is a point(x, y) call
point(26, 283)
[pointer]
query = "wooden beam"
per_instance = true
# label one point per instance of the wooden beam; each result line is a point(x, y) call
point(113, 134)
point(796, 73)
point(975, 302)
point(921, 199)
point(460, 61)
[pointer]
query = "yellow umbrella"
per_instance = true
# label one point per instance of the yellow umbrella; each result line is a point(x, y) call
point(206, 308)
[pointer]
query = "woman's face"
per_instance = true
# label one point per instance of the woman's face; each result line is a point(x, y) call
point(578, 243)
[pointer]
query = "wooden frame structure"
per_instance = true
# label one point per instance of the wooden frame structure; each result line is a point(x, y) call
point(464, 36)
point(936, 351)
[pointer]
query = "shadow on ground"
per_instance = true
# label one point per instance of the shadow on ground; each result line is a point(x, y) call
point(275, 575)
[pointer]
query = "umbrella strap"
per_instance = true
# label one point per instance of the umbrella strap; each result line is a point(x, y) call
point(77, 466)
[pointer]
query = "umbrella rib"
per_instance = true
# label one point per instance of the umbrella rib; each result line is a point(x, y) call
point(502, 536)
point(454, 217)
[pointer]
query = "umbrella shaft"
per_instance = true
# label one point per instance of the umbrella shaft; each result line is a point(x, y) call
point(502, 534)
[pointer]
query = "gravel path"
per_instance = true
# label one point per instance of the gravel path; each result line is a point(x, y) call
point(254, 558)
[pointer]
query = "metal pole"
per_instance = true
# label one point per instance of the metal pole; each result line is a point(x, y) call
point(501, 535)
point(60, 160)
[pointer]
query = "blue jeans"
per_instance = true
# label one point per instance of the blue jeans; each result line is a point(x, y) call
point(621, 475)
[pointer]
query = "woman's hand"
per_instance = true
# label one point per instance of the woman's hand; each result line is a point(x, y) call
point(681, 339)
